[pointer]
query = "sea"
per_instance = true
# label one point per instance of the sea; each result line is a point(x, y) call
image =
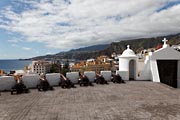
point(8, 65)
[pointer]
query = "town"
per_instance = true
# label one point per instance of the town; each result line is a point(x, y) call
point(128, 78)
point(128, 65)
point(89, 60)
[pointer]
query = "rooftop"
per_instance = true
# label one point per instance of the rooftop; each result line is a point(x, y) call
point(133, 100)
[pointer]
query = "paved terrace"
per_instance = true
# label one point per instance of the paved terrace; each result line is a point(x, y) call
point(134, 100)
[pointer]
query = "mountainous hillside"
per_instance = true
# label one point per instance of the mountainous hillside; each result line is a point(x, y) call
point(139, 44)
point(93, 51)
point(91, 48)
point(75, 53)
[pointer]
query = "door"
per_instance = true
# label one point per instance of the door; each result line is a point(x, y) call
point(168, 72)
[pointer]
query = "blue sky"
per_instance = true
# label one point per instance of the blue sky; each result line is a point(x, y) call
point(31, 28)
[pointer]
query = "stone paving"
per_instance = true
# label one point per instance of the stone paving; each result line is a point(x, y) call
point(135, 100)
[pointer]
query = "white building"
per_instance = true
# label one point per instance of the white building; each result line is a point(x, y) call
point(128, 65)
point(40, 67)
point(163, 65)
point(177, 47)
point(90, 60)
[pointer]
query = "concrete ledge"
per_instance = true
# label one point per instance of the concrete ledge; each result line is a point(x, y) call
point(107, 75)
point(124, 74)
point(31, 80)
point(6, 83)
point(73, 76)
point(90, 75)
point(53, 78)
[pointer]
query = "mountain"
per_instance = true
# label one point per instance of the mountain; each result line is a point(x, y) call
point(94, 51)
point(91, 48)
point(72, 54)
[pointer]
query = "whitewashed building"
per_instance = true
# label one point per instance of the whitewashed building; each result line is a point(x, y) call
point(128, 65)
point(40, 67)
point(162, 65)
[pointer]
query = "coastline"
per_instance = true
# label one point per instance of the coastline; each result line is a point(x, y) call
point(8, 65)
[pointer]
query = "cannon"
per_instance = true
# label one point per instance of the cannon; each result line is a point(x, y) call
point(117, 79)
point(84, 81)
point(65, 82)
point(100, 79)
point(19, 86)
point(44, 84)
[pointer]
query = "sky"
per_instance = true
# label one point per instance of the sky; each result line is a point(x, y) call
point(31, 28)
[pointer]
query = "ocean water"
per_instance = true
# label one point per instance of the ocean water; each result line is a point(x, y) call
point(8, 65)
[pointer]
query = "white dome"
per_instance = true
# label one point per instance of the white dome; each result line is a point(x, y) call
point(128, 52)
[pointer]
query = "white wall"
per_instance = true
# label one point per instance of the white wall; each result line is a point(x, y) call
point(53, 78)
point(154, 71)
point(124, 64)
point(31, 80)
point(124, 74)
point(6, 82)
point(140, 66)
point(107, 75)
point(73, 76)
point(90, 75)
point(145, 74)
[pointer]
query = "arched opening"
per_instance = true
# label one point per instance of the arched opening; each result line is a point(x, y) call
point(132, 69)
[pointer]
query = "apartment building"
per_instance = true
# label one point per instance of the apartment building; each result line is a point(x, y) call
point(40, 67)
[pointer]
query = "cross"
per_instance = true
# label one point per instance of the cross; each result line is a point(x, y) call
point(165, 41)
point(128, 46)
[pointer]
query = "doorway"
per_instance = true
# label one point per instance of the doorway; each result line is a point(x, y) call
point(132, 69)
point(168, 72)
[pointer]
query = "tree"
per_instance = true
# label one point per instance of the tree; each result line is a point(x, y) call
point(65, 68)
point(54, 68)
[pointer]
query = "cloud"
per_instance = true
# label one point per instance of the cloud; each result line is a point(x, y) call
point(15, 40)
point(26, 48)
point(14, 45)
point(20, 47)
point(67, 24)
point(48, 53)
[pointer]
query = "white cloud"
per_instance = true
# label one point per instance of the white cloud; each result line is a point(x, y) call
point(14, 45)
point(49, 53)
point(26, 48)
point(78, 23)
point(21, 47)
point(15, 40)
